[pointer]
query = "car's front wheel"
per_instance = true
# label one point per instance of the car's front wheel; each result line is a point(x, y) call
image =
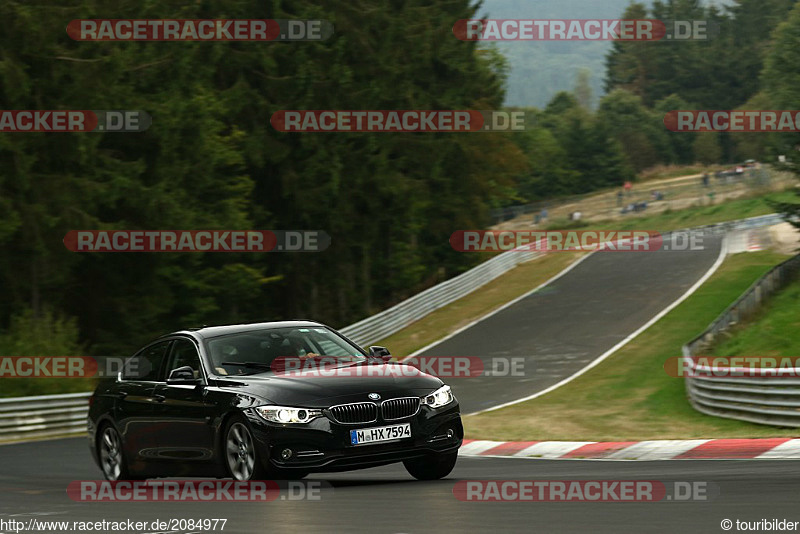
point(432, 466)
point(241, 456)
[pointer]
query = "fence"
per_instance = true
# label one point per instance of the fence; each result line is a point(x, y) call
point(677, 193)
point(44, 416)
point(403, 314)
point(56, 415)
point(762, 396)
point(389, 321)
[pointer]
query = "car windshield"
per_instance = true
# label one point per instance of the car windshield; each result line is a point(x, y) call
point(260, 351)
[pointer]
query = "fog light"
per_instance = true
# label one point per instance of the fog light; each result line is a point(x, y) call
point(450, 433)
point(286, 454)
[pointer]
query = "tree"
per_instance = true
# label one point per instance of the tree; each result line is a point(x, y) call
point(550, 174)
point(781, 81)
point(638, 130)
point(210, 160)
point(583, 88)
point(629, 65)
point(706, 148)
point(679, 144)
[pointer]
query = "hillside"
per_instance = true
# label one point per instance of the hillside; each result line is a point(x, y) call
point(540, 69)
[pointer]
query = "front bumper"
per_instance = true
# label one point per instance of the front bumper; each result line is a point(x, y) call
point(324, 445)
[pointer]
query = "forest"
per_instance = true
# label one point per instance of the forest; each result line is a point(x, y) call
point(389, 201)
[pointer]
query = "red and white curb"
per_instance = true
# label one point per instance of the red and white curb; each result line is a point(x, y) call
point(769, 448)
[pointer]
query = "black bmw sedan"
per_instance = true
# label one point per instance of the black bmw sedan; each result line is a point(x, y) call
point(269, 401)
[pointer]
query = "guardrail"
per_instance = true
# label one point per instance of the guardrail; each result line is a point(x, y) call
point(403, 314)
point(741, 224)
point(674, 190)
point(45, 416)
point(761, 396)
point(24, 418)
point(397, 317)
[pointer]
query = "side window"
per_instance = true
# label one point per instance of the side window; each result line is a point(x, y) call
point(183, 353)
point(146, 364)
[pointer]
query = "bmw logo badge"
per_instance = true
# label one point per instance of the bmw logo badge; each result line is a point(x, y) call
point(374, 396)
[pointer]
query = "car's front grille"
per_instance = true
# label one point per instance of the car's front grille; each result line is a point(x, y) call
point(358, 412)
point(393, 409)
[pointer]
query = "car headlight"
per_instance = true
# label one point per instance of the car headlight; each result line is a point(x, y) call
point(284, 414)
point(441, 397)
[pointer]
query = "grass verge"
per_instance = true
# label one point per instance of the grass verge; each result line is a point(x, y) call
point(740, 208)
point(493, 295)
point(773, 331)
point(629, 396)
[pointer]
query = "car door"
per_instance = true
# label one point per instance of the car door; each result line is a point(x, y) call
point(185, 431)
point(135, 404)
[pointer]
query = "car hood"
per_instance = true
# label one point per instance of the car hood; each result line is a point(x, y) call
point(334, 384)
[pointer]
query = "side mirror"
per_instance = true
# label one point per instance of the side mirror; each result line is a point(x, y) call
point(381, 353)
point(182, 376)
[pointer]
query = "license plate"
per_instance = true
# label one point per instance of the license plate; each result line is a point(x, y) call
point(381, 433)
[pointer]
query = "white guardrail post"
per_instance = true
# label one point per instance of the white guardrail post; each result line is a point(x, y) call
point(24, 418)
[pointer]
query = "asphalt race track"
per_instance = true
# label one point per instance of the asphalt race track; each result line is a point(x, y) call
point(567, 324)
point(387, 500)
point(557, 331)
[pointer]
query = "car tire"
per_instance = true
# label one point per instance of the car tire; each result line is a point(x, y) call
point(240, 455)
point(432, 466)
point(112, 455)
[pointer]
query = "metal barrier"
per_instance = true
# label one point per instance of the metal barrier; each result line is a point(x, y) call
point(403, 314)
point(45, 416)
point(397, 317)
point(25, 418)
point(675, 192)
point(756, 395)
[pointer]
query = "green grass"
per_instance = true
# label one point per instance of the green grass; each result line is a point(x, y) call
point(630, 396)
point(773, 331)
point(741, 208)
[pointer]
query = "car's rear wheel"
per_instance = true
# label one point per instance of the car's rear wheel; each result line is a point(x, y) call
point(431, 466)
point(112, 457)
